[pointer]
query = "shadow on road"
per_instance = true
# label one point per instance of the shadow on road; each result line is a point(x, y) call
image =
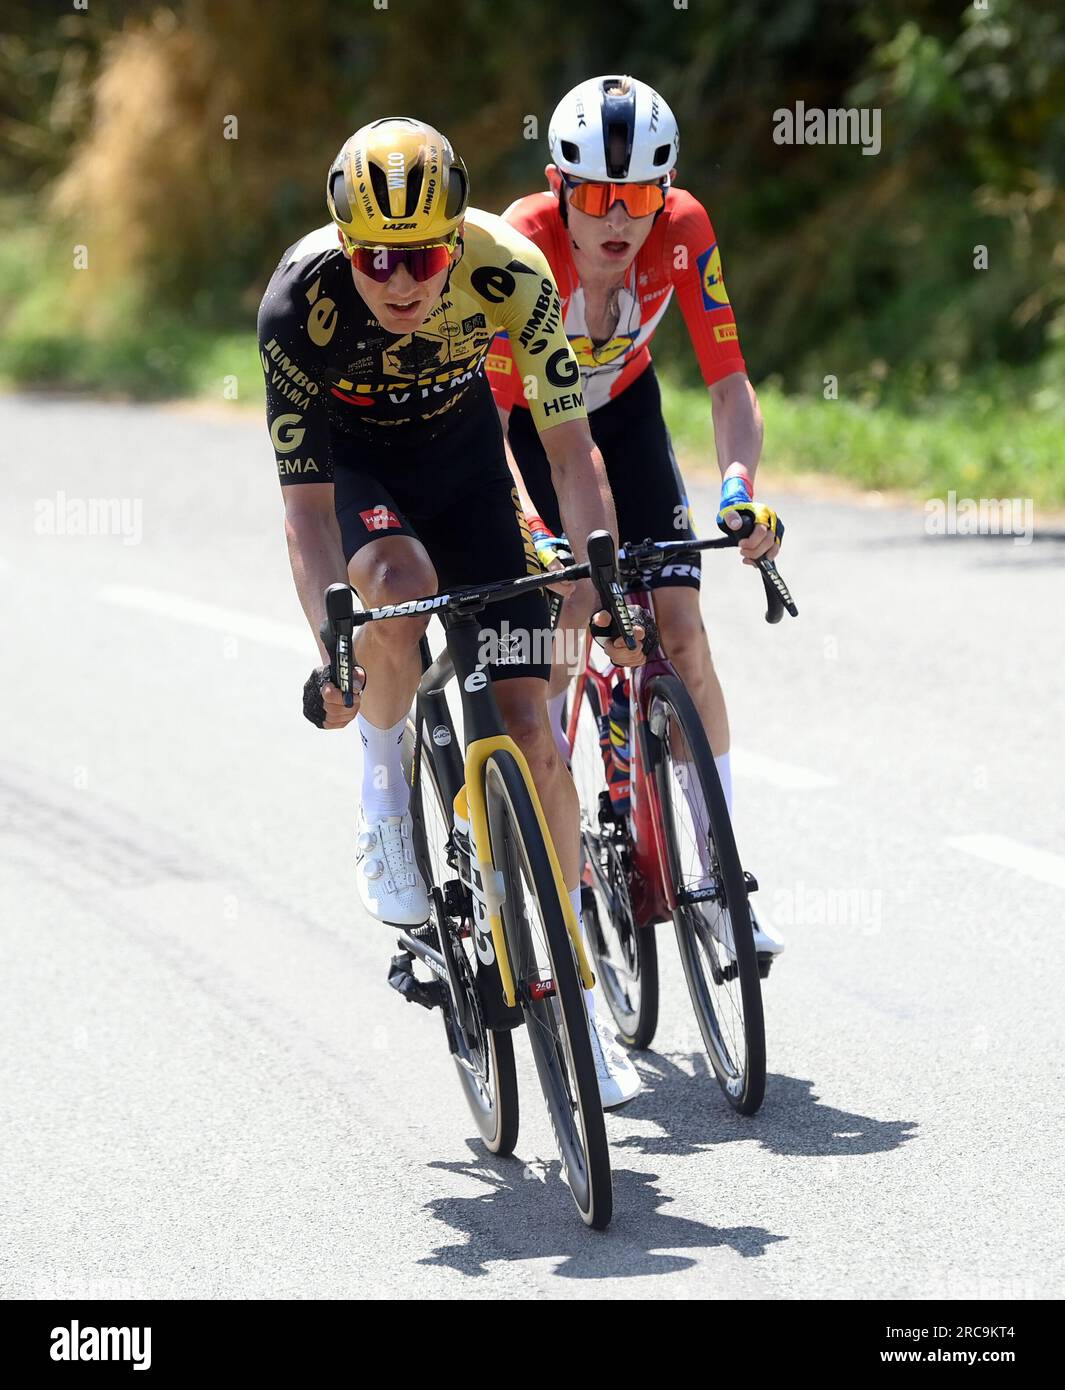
point(691, 1116)
point(526, 1213)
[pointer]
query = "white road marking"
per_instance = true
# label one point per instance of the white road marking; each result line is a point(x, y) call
point(785, 775)
point(1011, 854)
point(210, 615)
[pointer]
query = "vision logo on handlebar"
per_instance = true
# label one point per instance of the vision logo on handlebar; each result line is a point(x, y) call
point(603, 572)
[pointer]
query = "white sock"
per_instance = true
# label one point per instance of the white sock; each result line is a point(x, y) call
point(724, 771)
point(589, 994)
point(554, 714)
point(384, 788)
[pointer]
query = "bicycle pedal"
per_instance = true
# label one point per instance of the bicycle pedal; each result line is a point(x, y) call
point(426, 932)
point(402, 979)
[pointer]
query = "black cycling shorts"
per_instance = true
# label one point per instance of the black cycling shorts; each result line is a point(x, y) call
point(649, 495)
point(458, 498)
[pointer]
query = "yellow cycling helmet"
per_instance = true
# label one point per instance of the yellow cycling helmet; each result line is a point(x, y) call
point(396, 182)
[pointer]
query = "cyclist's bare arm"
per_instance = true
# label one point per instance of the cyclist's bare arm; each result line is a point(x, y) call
point(579, 478)
point(738, 428)
point(314, 548)
point(512, 463)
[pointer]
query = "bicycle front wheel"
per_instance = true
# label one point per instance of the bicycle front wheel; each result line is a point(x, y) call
point(484, 1058)
point(544, 965)
point(712, 916)
point(625, 953)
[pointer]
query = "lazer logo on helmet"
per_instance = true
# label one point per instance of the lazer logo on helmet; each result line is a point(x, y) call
point(399, 226)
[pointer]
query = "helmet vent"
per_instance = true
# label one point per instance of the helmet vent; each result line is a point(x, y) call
point(339, 193)
point(380, 187)
point(570, 151)
point(456, 191)
point(414, 188)
point(618, 149)
point(661, 155)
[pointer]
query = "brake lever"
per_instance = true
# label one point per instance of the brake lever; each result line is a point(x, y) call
point(337, 638)
point(603, 572)
point(777, 594)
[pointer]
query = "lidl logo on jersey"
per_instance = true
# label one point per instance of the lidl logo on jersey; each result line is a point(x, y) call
point(715, 296)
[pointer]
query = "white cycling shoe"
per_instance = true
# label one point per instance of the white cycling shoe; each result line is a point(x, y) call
point(765, 947)
point(390, 886)
point(763, 942)
point(618, 1079)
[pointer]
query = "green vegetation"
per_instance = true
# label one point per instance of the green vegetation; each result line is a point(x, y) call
point(974, 443)
point(116, 134)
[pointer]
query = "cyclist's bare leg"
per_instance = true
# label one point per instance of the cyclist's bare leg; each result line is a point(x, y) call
point(569, 638)
point(684, 640)
point(390, 570)
point(523, 704)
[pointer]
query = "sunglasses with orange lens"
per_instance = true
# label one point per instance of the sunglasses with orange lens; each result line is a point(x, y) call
point(596, 199)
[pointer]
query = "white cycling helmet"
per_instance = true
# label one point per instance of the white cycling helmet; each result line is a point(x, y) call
point(614, 129)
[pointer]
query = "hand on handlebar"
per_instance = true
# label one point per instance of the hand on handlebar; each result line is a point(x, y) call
point(767, 530)
point(616, 649)
point(323, 703)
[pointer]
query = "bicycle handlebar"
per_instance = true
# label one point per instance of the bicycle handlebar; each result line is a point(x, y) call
point(632, 561)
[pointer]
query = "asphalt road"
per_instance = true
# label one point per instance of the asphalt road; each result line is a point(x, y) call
point(208, 1089)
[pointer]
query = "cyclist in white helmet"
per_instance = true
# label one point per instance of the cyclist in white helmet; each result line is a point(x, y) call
point(621, 239)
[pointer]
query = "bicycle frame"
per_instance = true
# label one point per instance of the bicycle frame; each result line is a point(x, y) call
point(485, 735)
point(653, 898)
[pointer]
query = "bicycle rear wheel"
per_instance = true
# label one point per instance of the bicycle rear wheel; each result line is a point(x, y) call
point(626, 954)
point(549, 990)
point(712, 917)
point(484, 1059)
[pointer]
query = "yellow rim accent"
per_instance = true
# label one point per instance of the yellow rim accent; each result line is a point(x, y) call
point(476, 756)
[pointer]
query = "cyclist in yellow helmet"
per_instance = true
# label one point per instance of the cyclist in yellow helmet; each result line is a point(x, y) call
point(374, 332)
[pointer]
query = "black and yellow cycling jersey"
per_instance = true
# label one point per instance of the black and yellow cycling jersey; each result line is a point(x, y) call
point(331, 369)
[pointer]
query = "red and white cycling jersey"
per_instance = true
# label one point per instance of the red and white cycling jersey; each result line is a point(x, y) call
point(680, 254)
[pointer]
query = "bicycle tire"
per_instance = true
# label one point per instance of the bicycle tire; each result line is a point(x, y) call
point(497, 1113)
point(625, 952)
point(557, 1024)
point(702, 935)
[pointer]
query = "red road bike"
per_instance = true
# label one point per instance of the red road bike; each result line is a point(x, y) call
point(673, 854)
